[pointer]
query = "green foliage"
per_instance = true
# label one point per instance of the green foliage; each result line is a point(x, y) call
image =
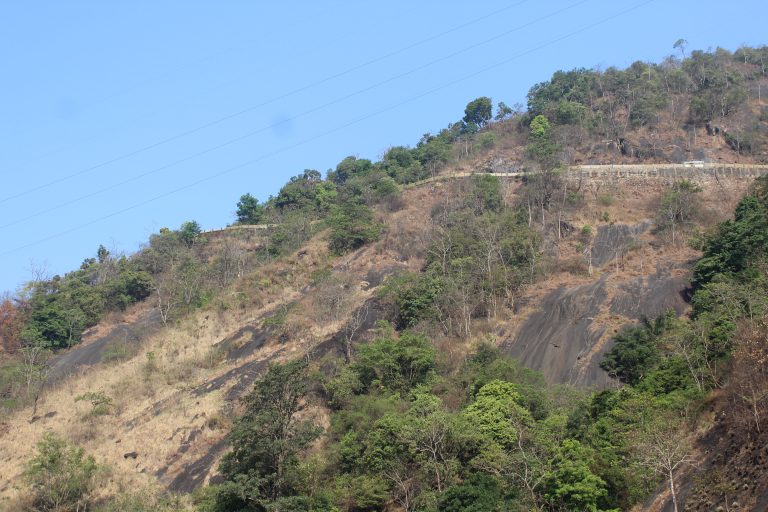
point(486, 140)
point(636, 350)
point(266, 441)
point(738, 243)
point(498, 414)
point(294, 229)
point(541, 146)
point(348, 168)
point(571, 485)
point(352, 226)
point(189, 232)
point(478, 111)
point(485, 194)
point(540, 128)
point(395, 364)
point(249, 211)
point(101, 404)
point(479, 493)
point(570, 112)
point(415, 297)
point(342, 388)
point(60, 309)
point(406, 165)
point(374, 187)
point(503, 111)
point(571, 86)
point(483, 256)
point(307, 193)
point(61, 476)
point(362, 492)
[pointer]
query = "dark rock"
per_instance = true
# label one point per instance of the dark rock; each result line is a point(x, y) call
point(614, 240)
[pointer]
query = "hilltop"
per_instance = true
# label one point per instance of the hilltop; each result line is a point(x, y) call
point(411, 332)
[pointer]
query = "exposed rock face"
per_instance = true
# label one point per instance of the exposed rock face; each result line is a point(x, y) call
point(651, 296)
point(560, 333)
point(614, 239)
point(90, 353)
point(566, 337)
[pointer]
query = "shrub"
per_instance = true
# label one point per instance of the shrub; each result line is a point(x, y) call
point(605, 199)
point(116, 352)
point(352, 226)
point(61, 476)
point(100, 402)
point(487, 140)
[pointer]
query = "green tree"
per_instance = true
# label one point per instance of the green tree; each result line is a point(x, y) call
point(249, 211)
point(189, 232)
point(102, 254)
point(397, 364)
point(503, 111)
point(348, 168)
point(571, 485)
point(479, 493)
point(541, 147)
point(478, 111)
point(497, 413)
point(681, 45)
point(266, 442)
point(737, 243)
point(636, 351)
point(352, 226)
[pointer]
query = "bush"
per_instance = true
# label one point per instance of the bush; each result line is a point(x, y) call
point(414, 296)
point(101, 404)
point(189, 232)
point(397, 364)
point(487, 140)
point(61, 476)
point(605, 199)
point(352, 226)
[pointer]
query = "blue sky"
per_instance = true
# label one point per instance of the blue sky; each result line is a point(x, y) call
point(122, 118)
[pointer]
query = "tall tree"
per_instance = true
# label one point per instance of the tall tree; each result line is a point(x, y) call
point(478, 111)
point(249, 211)
point(267, 440)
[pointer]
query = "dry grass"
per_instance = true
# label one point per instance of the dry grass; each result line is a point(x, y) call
point(154, 409)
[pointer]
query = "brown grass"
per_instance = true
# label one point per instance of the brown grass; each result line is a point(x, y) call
point(153, 407)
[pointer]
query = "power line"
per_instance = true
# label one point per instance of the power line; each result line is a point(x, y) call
point(339, 128)
point(293, 92)
point(298, 116)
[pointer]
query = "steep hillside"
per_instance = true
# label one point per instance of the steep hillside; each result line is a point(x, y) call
point(408, 334)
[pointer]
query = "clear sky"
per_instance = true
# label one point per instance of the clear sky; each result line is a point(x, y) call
point(119, 118)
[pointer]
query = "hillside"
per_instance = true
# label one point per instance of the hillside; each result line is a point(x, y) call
point(507, 316)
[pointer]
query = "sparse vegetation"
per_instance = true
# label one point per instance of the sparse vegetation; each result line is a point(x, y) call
point(425, 416)
point(61, 476)
point(101, 404)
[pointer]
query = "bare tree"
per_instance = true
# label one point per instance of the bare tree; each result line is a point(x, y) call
point(405, 488)
point(749, 382)
point(664, 447)
point(165, 296)
point(38, 271)
point(356, 321)
point(35, 370)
